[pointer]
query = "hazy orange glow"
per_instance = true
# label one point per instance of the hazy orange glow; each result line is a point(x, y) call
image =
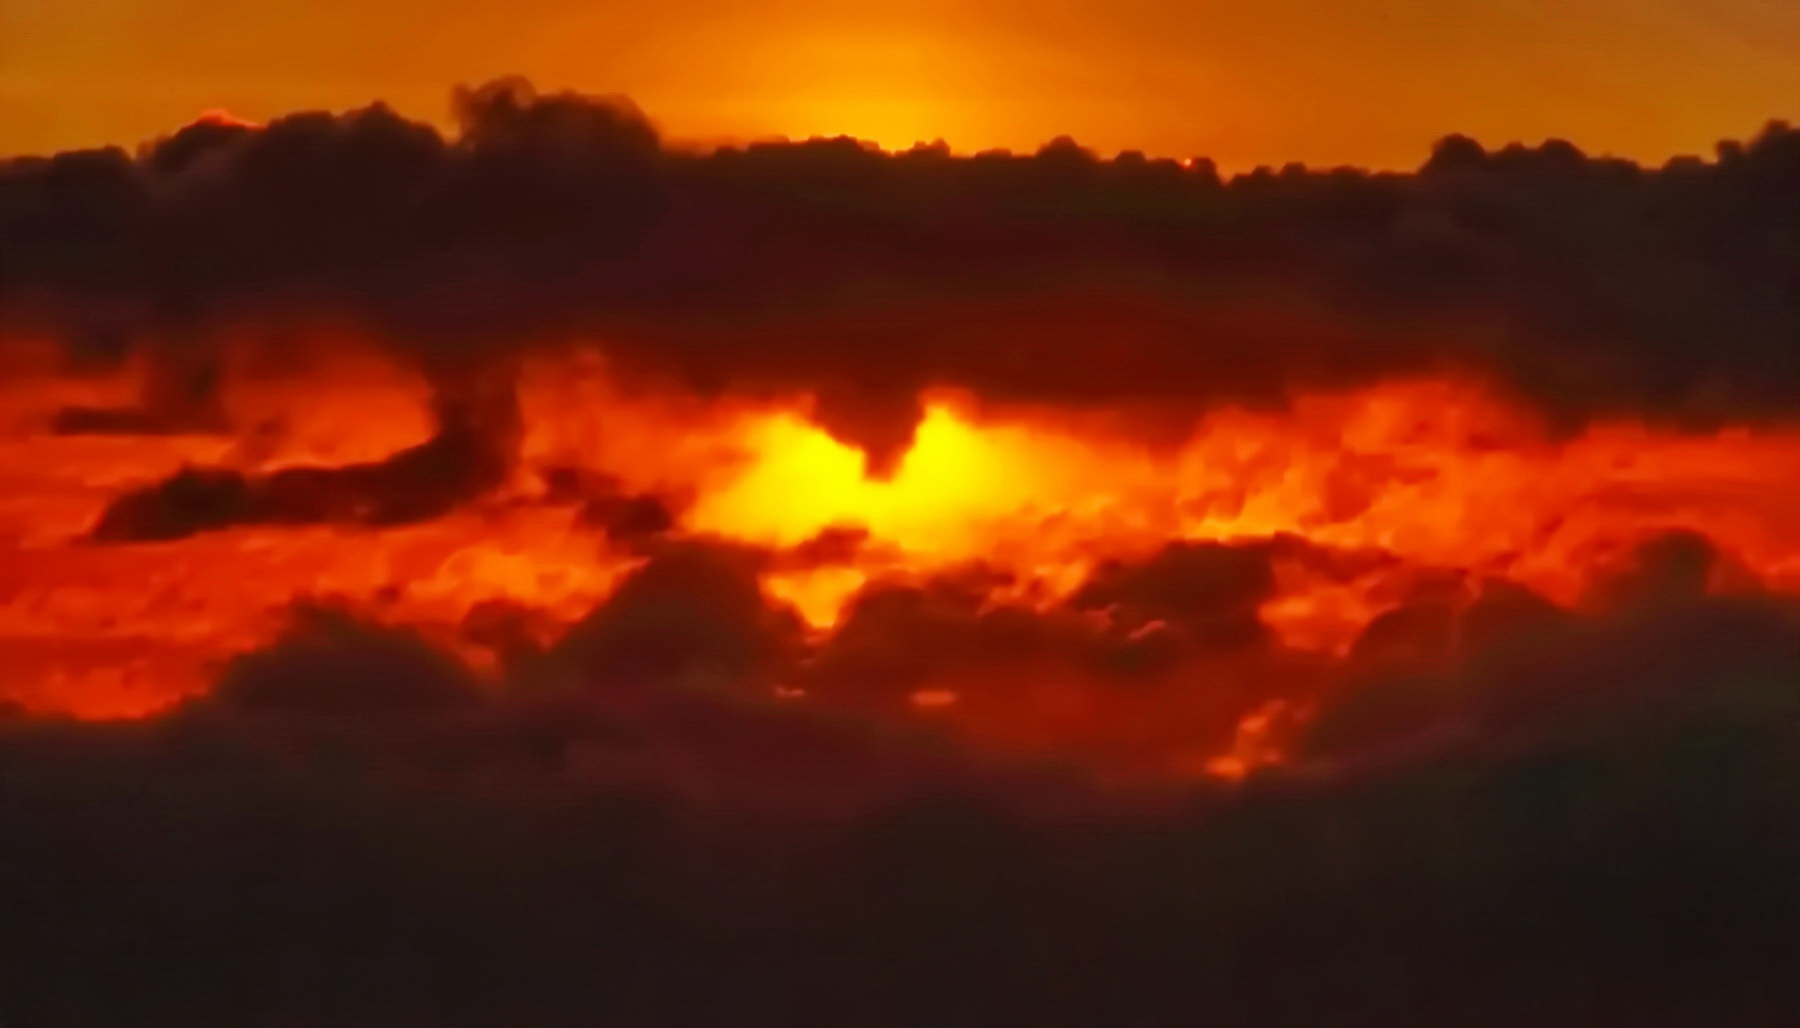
point(1320, 81)
point(1437, 474)
point(925, 699)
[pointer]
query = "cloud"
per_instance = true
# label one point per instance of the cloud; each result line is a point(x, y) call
point(351, 829)
point(1494, 808)
point(470, 452)
point(1590, 285)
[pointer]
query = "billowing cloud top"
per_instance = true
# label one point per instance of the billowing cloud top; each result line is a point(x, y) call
point(1588, 283)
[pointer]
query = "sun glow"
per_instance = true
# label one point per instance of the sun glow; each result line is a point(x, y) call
point(1388, 489)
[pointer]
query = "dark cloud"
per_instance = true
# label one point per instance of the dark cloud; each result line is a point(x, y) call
point(468, 455)
point(1589, 284)
point(353, 831)
point(692, 609)
point(1211, 590)
point(331, 665)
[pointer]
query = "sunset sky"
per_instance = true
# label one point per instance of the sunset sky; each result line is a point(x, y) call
point(1323, 81)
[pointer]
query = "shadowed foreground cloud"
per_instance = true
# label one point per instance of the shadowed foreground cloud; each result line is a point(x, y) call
point(1589, 825)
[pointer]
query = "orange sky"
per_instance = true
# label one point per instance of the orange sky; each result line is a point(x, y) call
point(1246, 81)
